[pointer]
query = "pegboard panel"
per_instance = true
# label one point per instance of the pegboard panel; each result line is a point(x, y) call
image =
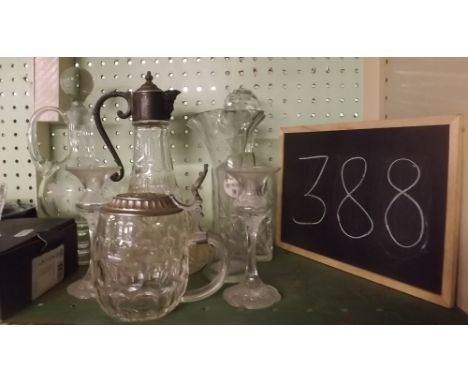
point(292, 91)
point(16, 107)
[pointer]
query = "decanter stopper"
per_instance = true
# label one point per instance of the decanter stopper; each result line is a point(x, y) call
point(241, 99)
point(77, 83)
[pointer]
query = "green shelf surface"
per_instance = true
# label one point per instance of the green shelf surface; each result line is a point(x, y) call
point(313, 293)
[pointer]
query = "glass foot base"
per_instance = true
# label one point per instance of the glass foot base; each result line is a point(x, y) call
point(82, 289)
point(251, 295)
point(236, 271)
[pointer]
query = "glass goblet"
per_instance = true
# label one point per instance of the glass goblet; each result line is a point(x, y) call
point(251, 206)
point(92, 179)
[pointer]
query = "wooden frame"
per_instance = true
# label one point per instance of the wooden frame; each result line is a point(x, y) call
point(373, 88)
point(451, 240)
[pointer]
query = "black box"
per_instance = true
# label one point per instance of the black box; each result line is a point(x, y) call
point(35, 255)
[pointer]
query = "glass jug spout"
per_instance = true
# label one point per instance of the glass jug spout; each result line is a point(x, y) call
point(226, 132)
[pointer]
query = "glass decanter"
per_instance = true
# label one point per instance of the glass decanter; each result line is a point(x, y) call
point(252, 206)
point(228, 137)
point(152, 169)
point(245, 99)
point(58, 189)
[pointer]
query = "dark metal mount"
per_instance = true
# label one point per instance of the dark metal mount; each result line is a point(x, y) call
point(97, 119)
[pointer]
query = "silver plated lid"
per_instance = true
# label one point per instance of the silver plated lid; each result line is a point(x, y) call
point(145, 204)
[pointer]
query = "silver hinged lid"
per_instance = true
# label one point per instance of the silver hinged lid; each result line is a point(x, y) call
point(146, 204)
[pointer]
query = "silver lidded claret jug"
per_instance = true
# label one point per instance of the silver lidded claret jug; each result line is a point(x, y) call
point(150, 110)
point(144, 238)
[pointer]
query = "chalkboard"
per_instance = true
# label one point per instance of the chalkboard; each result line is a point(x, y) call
point(377, 199)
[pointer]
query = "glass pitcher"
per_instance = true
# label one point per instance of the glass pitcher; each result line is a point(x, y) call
point(141, 256)
point(229, 137)
point(59, 189)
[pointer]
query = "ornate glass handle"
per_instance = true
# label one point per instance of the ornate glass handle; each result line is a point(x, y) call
point(209, 289)
point(97, 119)
point(202, 237)
point(196, 202)
point(195, 206)
point(44, 165)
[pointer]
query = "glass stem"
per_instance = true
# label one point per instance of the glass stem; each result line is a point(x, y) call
point(252, 224)
point(91, 215)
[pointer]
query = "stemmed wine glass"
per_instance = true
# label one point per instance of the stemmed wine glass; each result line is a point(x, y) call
point(92, 178)
point(251, 206)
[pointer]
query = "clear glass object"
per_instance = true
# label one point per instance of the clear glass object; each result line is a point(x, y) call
point(245, 99)
point(92, 176)
point(152, 169)
point(251, 206)
point(59, 190)
point(229, 138)
point(241, 99)
point(141, 257)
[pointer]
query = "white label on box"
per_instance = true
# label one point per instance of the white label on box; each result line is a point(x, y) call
point(24, 232)
point(47, 271)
